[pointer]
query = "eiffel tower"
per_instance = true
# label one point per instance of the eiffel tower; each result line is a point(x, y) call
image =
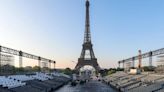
point(87, 56)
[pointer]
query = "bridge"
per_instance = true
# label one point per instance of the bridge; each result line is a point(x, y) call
point(149, 55)
point(22, 54)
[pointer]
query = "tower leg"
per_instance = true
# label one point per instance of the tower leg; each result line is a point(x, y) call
point(49, 65)
point(39, 62)
point(54, 65)
point(123, 65)
point(119, 65)
point(150, 61)
point(133, 62)
point(150, 58)
point(20, 61)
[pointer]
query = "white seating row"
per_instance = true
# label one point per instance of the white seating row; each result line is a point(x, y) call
point(55, 74)
point(13, 81)
point(21, 77)
point(10, 83)
point(41, 76)
point(64, 75)
point(60, 74)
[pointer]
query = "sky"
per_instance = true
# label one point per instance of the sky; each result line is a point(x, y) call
point(54, 29)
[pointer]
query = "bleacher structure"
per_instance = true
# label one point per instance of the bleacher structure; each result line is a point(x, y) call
point(37, 82)
point(145, 82)
point(10, 83)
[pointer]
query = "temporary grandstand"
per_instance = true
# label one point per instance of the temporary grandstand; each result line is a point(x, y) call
point(144, 82)
point(35, 82)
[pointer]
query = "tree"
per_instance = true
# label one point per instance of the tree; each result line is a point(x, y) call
point(21, 69)
point(120, 69)
point(67, 71)
point(148, 68)
point(28, 69)
point(36, 68)
point(104, 72)
point(111, 72)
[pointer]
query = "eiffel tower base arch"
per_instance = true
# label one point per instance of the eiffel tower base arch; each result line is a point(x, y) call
point(82, 62)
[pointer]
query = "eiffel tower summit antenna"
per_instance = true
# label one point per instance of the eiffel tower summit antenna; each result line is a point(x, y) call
point(87, 56)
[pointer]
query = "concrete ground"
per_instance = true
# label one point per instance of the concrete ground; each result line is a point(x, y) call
point(92, 86)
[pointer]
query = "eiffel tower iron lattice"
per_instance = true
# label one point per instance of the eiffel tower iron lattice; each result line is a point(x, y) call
point(87, 56)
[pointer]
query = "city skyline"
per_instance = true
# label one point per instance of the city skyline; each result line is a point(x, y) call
point(55, 29)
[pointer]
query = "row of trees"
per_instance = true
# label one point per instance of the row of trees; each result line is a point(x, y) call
point(149, 68)
point(105, 72)
point(109, 71)
point(67, 71)
point(8, 69)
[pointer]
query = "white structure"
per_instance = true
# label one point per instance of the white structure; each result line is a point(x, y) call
point(41, 76)
point(135, 71)
point(21, 77)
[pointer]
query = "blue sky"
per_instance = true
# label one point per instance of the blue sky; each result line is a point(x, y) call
point(55, 28)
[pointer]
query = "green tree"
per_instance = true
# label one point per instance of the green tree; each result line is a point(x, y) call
point(111, 71)
point(36, 68)
point(148, 68)
point(120, 69)
point(67, 71)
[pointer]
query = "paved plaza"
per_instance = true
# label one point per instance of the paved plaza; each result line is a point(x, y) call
point(92, 86)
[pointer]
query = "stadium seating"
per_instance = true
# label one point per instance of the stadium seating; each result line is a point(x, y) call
point(59, 74)
point(145, 82)
point(10, 83)
point(21, 77)
point(34, 82)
